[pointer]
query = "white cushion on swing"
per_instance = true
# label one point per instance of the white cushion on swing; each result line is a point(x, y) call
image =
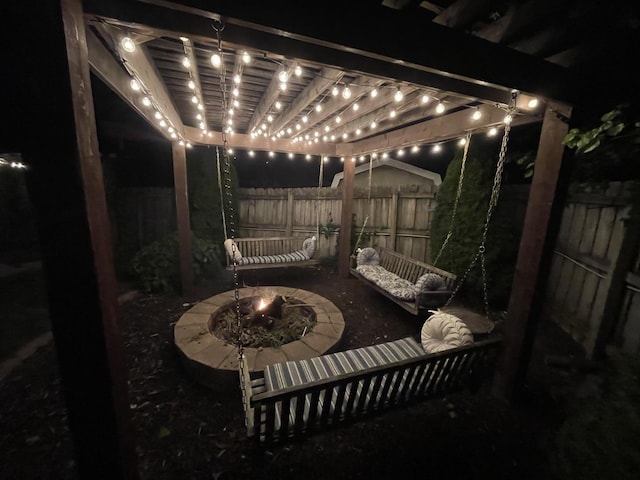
point(389, 281)
point(309, 246)
point(443, 331)
point(232, 249)
point(430, 282)
point(368, 256)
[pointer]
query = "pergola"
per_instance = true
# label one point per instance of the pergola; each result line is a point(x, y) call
point(166, 73)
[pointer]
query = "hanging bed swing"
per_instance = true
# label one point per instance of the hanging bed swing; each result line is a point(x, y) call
point(254, 253)
point(413, 285)
point(294, 399)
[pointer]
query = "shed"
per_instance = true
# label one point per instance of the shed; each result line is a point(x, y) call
point(388, 172)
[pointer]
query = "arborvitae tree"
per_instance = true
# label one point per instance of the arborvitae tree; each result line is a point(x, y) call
point(204, 194)
point(502, 237)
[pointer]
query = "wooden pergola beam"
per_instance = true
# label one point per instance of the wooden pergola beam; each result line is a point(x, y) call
point(244, 141)
point(107, 69)
point(140, 63)
point(517, 19)
point(435, 130)
point(326, 78)
point(461, 12)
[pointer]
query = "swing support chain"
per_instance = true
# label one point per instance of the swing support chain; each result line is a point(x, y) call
point(493, 201)
point(218, 26)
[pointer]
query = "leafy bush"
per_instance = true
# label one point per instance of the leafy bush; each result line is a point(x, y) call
point(156, 267)
point(600, 437)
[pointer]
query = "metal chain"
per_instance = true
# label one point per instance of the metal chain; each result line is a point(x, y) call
point(457, 200)
point(320, 181)
point(218, 27)
point(364, 224)
point(493, 201)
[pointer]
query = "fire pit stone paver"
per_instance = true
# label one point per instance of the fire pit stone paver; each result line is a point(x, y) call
point(214, 363)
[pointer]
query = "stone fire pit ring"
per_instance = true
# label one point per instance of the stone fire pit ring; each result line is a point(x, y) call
point(215, 364)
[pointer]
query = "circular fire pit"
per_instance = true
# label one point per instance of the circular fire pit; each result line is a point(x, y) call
point(213, 362)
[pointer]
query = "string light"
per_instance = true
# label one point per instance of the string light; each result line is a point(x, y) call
point(508, 119)
point(297, 70)
point(355, 107)
point(374, 93)
point(462, 142)
point(373, 125)
point(279, 105)
point(493, 132)
point(318, 108)
point(533, 103)
point(246, 58)
point(477, 114)
point(346, 93)
point(335, 91)
point(398, 96)
point(146, 102)
point(425, 98)
point(400, 152)
point(186, 63)
point(440, 107)
point(251, 153)
point(436, 148)
point(415, 149)
point(392, 114)
point(128, 45)
point(216, 60)
point(135, 86)
point(283, 77)
point(192, 85)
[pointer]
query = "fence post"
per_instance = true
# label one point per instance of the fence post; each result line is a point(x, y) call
point(393, 220)
point(289, 227)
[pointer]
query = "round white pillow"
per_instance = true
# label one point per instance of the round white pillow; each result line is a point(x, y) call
point(443, 331)
point(309, 246)
point(232, 249)
point(368, 256)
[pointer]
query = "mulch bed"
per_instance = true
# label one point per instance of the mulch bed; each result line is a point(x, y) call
point(187, 431)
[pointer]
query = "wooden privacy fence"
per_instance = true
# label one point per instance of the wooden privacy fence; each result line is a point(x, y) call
point(398, 218)
point(594, 284)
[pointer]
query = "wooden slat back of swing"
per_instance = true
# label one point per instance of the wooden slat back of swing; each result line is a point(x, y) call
point(264, 246)
point(302, 410)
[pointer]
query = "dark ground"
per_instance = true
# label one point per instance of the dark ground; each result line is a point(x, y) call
point(186, 431)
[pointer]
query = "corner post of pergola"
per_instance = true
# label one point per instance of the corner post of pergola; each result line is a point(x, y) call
point(67, 194)
point(528, 285)
point(183, 218)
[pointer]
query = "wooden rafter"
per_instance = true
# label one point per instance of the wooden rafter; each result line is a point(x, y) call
point(268, 99)
point(326, 78)
point(195, 78)
point(462, 12)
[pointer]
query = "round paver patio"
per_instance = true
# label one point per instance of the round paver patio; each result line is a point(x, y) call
point(213, 362)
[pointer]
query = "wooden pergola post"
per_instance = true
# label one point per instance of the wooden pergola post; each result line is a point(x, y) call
point(527, 287)
point(344, 249)
point(66, 190)
point(183, 218)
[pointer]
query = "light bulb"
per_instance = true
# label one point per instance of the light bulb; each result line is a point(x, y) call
point(306, 137)
point(231, 111)
point(128, 45)
point(318, 108)
point(425, 98)
point(355, 107)
point(163, 123)
point(185, 62)
point(533, 103)
point(283, 86)
point(270, 118)
point(373, 125)
point(440, 108)
point(230, 150)
point(236, 79)
point(191, 85)
point(362, 158)
point(173, 135)
point(246, 58)
point(338, 119)
point(345, 135)
point(374, 155)
point(358, 131)
point(251, 154)
point(325, 138)
point(298, 127)
point(289, 131)
point(271, 154)
point(279, 105)
point(291, 155)
point(202, 126)
point(400, 152)
point(283, 77)
point(436, 148)
point(508, 119)
point(188, 145)
point(200, 107)
point(415, 148)
point(327, 128)
point(346, 93)
point(374, 93)
point(477, 114)
point(335, 91)
point(216, 60)
point(235, 91)
point(493, 131)
point(385, 155)
point(236, 103)
point(194, 99)
point(298, 70)
point(307, 157)
point(462, 142)
point(398, 96)
point(230, 121)
point(146, 102)
point(392, 114)
point(158, 115)
point(264, 126)
point(199, 117)
point(316, 134)
point(305, 119)
point(135, 85)
point(333, 137)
